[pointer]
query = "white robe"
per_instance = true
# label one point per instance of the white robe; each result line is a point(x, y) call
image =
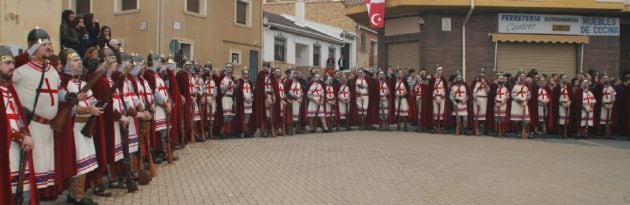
point(383, 107)
point(226, 99)
point(330, 101)
point(283, 97)
point(519, 111)
point(563, 116)
point(417, 90)
point(362, 96)
point(117, 106)
point(459, 92)
point(84, 145)
point(25, 80)
point(439, 91)
point(295, 91)
point(131, 100)
point(608, 99)
point(588, 106)
point(315, 93)
point(543, 103)
point(400, 100)
point(210, 93)
point(344, 101)
point(480, 104)
point(161, 91)
point(500, 101)
point(14, 151)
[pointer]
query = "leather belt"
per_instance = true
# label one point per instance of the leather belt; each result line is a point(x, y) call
point(81, 119)
point(41, 120)
point(482, 96)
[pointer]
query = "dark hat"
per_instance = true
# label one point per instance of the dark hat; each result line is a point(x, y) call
point(153, 57)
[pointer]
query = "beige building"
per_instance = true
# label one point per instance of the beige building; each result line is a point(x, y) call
point(332, 12)
point(207, 30)
point(18, 17)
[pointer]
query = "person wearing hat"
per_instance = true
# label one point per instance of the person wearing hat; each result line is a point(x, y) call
point(245, 95)
point(332, 113)
point(316, 107)
point(197, 81)
point(19, 137)
point(459, 98)
point(404, 104)
point(161, 102)
point(83, 106)
point(588, 108)
point(343, 101)
point(177, 100)
point(227, 87)
point(607, 109)
point(519, 111)
point(295, 96)
point(27, 80)
point(282, 100)
point(208, 101)
point(384, 102)
point(266, 97)
point(362, 98)
point(480, 91)
point(565, 95)
point(187, 89)
point(501, 101)
point(438, 93)
point(544, 106)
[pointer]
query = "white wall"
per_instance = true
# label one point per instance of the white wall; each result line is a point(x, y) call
point(292, 39)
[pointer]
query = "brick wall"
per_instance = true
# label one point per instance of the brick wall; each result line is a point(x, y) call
point(441, 47)
point(602, 53)
point(325, 12)
point(625, 46)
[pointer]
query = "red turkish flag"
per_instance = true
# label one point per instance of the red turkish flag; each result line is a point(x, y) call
point(376, 12)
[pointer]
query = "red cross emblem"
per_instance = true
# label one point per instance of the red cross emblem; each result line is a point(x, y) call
point(383, 87)
point(295, 89)
point(606, 93)
point(543, 94)
point(588, 98)
point(246, 87)
point(344, 93)
point(501, 93)
point(49, 91)
point(459, 91)
point(400, 88)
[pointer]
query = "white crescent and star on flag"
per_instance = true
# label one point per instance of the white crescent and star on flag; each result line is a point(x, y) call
point(376, 12)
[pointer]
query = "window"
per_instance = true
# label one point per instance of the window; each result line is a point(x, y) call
point(187, 50)
point(81, 6)
point(196, 6)
point(316, 54)
point(127, 5)
point(363, 42)
point(331, 52)
point(242, 12)
point(235, 57)
point(279, 49)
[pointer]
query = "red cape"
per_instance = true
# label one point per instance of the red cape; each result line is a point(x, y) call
point(218, 115)
point(598, 93)
point(259, 100)
point(176, 100)
point(6, 196)
point(183, 80)
point(533, 105)
point(373, 105)
point(239, 100)
point(576, 109)
point(445, 116)
point(411, 101)
point(149, 76)
point(425, 100)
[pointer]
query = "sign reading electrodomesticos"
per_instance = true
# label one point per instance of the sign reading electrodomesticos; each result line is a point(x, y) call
point(376, 12)
point(558, 24)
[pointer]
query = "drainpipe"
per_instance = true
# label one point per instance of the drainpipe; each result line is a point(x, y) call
point(472, 7)
point(158, 27)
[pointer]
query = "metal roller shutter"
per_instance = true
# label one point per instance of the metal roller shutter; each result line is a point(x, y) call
point(548, 58)
point(405, 55)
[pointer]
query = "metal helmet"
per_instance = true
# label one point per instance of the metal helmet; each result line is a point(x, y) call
point(482, 73)
point(605, 78)
point(316, 77)
point(153, 58)
point(136, 59)
point(67, 54)
point(459, 77)
point(6, 56)
point(438, 70)
point(229, 68)
point(208, 65)
point(37, 36)
point(123, 56)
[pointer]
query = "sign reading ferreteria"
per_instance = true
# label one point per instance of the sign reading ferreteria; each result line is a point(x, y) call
point(558, 24)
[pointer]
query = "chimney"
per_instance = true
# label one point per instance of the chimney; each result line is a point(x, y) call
point(300, 13)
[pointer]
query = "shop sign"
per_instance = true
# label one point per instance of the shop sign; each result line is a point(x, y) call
point(558, 24)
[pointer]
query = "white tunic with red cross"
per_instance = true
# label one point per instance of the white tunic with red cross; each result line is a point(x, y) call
point(12, 116)
point(519, 111)
point(383, 105)
point(439, 92)
point(26, 80)
point(344, 100)
point(84, 145)
point(226, 99)
point(118, 107)
point(588, 106)
point(296, 93)
point(315, 93)
point(608, 99)
point(194, 88)
point(331, 103)
point(417, 90)
point(500, 101)
point(283, 96)
point(248, 97)
point(563, 112)
point(161, 91)
point(131, 101)
point(459, 93)
point(480, 104)
point(543, 102)
point(400, 100)
point(362, 97)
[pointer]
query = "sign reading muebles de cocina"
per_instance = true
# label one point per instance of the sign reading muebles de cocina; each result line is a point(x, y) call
point(558, 24)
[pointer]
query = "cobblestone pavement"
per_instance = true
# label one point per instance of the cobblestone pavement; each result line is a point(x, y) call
point(372, 167)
